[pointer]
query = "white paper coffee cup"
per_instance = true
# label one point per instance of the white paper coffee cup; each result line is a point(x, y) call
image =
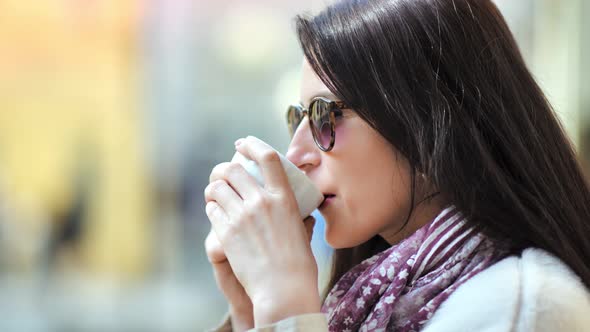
point(308, 196)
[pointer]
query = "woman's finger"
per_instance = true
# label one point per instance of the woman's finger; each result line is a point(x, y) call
point(275, 179)
point(237, 177)
point(214, 250)
point(218, 218)
point(221, 192)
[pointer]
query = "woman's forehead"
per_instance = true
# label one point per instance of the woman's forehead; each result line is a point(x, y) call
point(312, 86)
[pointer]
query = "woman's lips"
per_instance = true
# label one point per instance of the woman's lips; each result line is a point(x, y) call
point(328, 198)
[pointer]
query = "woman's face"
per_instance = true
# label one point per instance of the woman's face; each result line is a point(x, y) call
point(369, 179)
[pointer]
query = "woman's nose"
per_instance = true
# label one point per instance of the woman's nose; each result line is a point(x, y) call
point(302, 150)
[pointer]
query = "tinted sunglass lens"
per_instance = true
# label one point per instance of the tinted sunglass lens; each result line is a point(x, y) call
point(325, 134)
point(293, 119)
point(321, 124)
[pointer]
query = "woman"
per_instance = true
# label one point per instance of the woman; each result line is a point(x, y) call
point(453, 197)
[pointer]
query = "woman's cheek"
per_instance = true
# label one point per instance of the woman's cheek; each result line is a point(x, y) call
point(342, 133)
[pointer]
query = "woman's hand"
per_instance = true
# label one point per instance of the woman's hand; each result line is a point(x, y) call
point(240, 305)
point(263, 236)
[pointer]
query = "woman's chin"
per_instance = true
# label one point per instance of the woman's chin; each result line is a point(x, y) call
point(331, 239)
point(338, 240)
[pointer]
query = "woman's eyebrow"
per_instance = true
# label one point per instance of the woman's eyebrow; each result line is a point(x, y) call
point(327, 94)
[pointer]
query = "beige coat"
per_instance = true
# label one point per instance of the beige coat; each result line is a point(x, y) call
point(534, 292)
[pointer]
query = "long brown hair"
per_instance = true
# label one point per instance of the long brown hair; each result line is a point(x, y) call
point(444, 82)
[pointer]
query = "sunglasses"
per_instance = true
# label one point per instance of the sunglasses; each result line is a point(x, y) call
point(322, 114)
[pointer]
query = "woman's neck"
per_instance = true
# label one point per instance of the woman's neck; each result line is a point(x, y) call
point(423, 214)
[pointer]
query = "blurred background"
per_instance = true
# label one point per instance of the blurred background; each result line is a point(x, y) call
point(112, 114)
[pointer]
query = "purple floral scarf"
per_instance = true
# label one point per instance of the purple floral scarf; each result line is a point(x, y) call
point(401, 287)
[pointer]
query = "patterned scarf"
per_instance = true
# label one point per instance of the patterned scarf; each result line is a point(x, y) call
point(401, 287)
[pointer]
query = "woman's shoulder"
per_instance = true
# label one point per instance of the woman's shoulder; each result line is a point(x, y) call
point(533, 292)
point(552, 294)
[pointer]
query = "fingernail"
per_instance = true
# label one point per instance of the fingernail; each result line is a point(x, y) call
point(239, 141)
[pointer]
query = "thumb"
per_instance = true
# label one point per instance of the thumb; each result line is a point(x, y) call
point(309, 222)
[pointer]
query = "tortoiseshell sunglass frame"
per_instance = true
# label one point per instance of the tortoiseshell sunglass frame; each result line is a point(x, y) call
point(334, 109)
